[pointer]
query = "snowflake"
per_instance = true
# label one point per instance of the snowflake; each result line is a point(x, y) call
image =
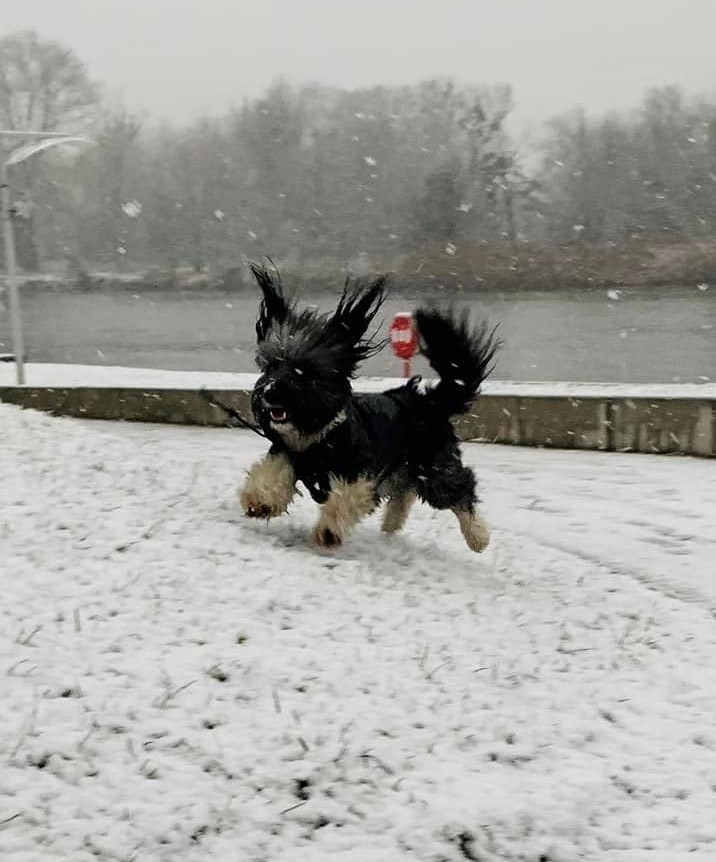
point(132, 209)
point(219, 214)
point(464, 208)
point(614, 294)
point(703, 286)
point(369, 160)
point(23, 209)
point(450, 248)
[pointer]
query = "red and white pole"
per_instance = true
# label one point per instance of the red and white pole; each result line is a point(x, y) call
point(404, 339)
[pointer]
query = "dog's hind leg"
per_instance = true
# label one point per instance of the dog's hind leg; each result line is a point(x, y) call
point(474, 530)
point(397, 510)
point(269, 488)
point(347, 504)
point(448, 484)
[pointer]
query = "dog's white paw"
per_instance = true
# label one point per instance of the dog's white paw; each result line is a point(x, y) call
point(474, 530)
point(325, 537)
point(270, 487)
point(260, 509)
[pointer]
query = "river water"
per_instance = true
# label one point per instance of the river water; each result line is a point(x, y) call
point(643, 335)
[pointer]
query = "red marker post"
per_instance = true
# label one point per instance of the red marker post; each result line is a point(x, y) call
point(404, 339)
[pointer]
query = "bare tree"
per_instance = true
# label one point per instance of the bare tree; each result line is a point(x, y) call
point(43, 86)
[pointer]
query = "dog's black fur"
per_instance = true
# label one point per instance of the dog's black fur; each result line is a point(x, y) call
point(401, 440)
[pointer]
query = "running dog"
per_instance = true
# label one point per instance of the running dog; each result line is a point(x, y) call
point(354, 450)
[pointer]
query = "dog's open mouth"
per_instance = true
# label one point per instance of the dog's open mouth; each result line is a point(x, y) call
point(278, 414)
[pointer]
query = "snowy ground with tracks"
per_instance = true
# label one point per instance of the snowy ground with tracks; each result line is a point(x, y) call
point(177, 683)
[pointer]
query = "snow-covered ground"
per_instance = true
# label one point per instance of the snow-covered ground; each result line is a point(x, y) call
point(47, 374)
point(178, 683)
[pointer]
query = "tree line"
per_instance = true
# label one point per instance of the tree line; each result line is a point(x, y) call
point(367, 177)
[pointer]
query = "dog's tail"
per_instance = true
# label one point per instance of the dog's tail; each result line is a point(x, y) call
point(461, 353)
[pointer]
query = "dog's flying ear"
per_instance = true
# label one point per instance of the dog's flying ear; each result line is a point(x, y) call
point(357, 307)
point(347, 327)
point(273, 308)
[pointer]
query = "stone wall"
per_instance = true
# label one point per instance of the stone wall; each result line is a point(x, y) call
point(655, 425)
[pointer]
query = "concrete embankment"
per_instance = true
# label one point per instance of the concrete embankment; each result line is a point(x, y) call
point(666, 422)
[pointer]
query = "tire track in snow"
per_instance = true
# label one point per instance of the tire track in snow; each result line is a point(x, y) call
point(656, 584)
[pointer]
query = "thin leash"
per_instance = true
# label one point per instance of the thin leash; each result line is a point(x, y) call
point(234, 414)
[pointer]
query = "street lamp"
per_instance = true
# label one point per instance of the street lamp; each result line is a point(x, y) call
point(15, 157)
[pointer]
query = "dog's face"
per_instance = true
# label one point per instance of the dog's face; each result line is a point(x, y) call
point(307, 359)
point(300, 390)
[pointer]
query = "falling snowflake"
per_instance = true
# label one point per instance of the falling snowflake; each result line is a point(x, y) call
point(122, 249)
point(23, 209)
point(464, 208)
point(450, 248)
point(252, 235)
point(703, 286)
point(614, 294)
point(369, 160)
point(577, 228)
point(219, 215)
point(132, 208)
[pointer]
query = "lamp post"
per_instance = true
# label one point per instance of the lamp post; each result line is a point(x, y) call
point(15, 157)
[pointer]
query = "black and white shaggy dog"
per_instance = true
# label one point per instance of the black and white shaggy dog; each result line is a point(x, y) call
point(353, 450)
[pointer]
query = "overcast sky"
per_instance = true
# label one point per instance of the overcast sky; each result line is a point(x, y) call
point(177, 59)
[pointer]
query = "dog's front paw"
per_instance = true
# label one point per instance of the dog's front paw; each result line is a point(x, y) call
point(261, 510)
point(324, 537)
point(270, 486)
point(255, 505)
